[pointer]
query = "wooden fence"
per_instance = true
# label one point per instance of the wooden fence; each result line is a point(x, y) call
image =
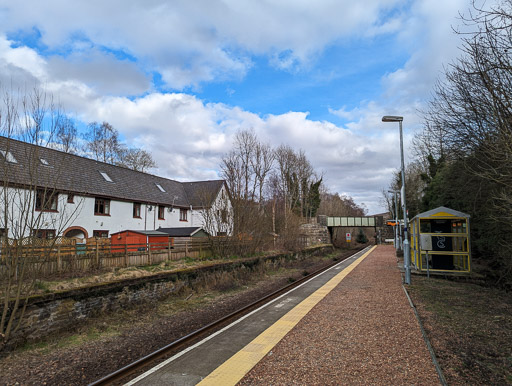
point(64, 256)
point(99, 253)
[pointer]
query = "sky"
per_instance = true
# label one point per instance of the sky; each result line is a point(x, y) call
point(180, 78)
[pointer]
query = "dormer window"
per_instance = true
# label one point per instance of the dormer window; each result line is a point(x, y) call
point(8, 156)
point(106, 177)
point(160, 187)
point(44, 162)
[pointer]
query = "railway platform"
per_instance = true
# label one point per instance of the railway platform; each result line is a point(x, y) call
point(357, 327)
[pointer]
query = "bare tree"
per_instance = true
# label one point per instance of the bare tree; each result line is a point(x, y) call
point(334, 204)
point(136, 159)
point(217, 214)
point(272, 191)
point(286, 161)
point(103, 143)
point(238, 165)
point(66, 135)
point(262, 163)
point(32, 213)
point(297, 182)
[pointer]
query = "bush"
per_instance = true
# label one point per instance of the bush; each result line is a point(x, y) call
point(361, 237)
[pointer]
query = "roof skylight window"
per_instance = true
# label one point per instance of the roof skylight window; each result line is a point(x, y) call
point(160, 187)
point(8, 156)
point(106, 177)
point(44, 162)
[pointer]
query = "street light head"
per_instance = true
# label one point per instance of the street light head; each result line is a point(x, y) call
point(392, 118)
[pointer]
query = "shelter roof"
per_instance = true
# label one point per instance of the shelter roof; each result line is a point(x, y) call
point(442, 211)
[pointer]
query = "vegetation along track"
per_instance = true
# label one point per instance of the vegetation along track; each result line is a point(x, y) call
point(152, 359)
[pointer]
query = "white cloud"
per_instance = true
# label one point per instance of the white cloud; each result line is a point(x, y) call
point(17, 65)
point(189, 42)
point(101, 72)
point(429, 33)
point(108, 50)
point(188, 138)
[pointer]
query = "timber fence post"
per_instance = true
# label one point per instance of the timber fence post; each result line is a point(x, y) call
point(59, 259)
point(150, 257)
point(97, 255)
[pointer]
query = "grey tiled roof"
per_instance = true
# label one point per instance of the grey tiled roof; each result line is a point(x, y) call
point(202, 192)
point(80, 175)
point(180, 232)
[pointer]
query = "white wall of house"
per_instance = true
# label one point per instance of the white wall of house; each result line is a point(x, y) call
point(79, 215)
point(212, 218)
point(20, 217)
point(121, 217)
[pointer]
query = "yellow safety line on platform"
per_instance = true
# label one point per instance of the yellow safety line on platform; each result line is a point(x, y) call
point(235, 368)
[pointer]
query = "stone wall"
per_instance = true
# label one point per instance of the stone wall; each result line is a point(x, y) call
point(315, 234)
point(51, 313)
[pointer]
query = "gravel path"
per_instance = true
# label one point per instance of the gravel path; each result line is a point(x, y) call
point(363, 332)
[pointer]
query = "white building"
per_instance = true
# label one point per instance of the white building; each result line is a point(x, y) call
point(48, 193)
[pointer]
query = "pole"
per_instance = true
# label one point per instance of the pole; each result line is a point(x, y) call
point(406, 246)
point(428, 267)
point(398, 242)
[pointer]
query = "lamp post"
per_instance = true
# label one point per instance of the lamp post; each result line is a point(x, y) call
point(398, 238)
point(406, 249)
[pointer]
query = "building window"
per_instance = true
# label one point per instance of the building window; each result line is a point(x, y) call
point(102, 207)
point(8, 156)
point(46, 200)
point(100, 234)
point(160, 188)
point(46, 234)
point(161, 212)
point(71, 198)
point(183, 214)
point(106, 177)
point(136, 210)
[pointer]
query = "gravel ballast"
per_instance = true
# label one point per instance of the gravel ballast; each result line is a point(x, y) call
point(363, 332)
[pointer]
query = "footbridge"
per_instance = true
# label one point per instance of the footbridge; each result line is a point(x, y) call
point(349, 221)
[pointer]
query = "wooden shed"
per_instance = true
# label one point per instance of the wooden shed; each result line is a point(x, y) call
point(140, 240)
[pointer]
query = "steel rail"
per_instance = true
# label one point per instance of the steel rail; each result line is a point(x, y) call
point(144, 361)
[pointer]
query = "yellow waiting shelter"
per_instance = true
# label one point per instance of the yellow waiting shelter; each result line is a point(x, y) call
point(442, 234)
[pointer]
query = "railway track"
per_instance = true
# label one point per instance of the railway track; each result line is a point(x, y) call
point(150, 360)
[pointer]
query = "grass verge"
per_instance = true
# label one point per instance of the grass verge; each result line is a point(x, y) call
point(470, 328)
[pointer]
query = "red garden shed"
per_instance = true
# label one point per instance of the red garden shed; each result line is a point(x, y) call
point(139, 240)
